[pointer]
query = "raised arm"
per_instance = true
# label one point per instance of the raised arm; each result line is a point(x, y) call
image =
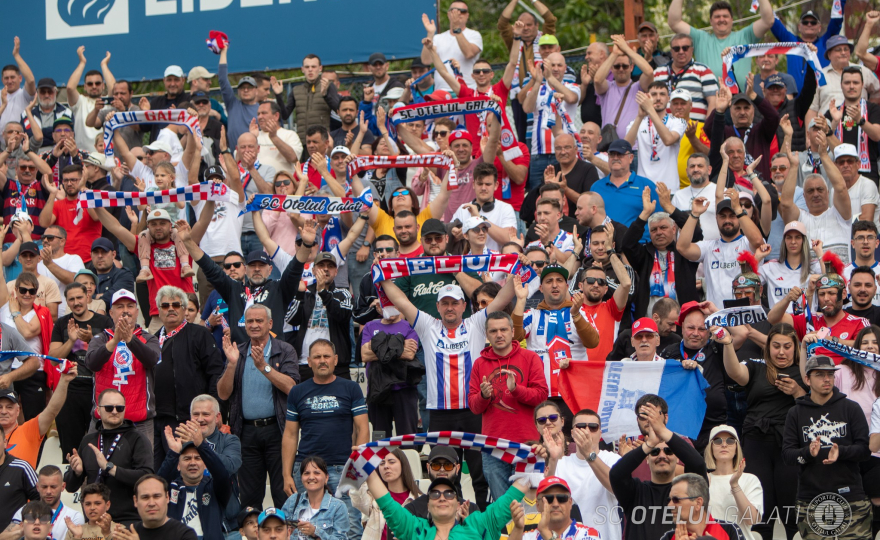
point(121, 149)
point(787, 208)
point(864, 41)
point(109, 79)
point(30, 84)
point(73, 81)
point(762, 25)
point(112, 224)
point(400, 300)
point(530, 104)
point(621, 295)
point(674, 18)
point(685, 245)
point(450, 79)
point(638, 60)
point(441, 201)
point(600, 78)
point(841, 194)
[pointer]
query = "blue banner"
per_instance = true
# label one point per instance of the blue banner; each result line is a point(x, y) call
point(145, 36)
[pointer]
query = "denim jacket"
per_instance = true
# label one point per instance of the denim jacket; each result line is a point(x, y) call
point(331, 520)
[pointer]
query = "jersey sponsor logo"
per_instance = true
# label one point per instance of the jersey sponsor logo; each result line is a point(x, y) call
point(452, 346)
point(716, 265)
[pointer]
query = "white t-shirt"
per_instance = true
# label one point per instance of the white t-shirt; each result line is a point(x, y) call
point(778, 279)
point(180, 180)
point(449, 357)
point(563, 241)
point(662, 167)
point(875, 417)
point(722, 505)
point(719, 260)
point(269, 154)
point(864, 191)
point(595, 502)
point(35, 343)
point(59, 527)
point(683, 198)
point(190, 516)
point(447, 48)
point(71, 263)
point(224, 231)
point(831, 229)
point(16, 103)
point(501, 215)
point(847, 274)
point(84, 135)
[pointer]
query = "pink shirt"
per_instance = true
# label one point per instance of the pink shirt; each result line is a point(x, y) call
point(281, 229)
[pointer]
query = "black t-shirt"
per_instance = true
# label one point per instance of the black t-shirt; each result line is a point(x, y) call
point(580, 179)
point(171, 530)
point(851, 136)
point(98, 323)
point(750, 349)
point(711, 359)
point(872, 313)
point(767, 405)
point(338, 136)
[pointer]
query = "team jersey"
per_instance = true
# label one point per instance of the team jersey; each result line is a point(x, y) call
point(847, 273)
point(450, 357)
point(552, 336)
point(545, 118)
point(779, 278)
point(719, 263)
point(846, 328)
point(577, 531)
point(563, 242)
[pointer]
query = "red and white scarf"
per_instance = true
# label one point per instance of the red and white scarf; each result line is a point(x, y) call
point(846, 121)
point(366, 163)
point(163, 337)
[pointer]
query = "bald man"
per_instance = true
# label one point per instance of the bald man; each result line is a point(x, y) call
point(590, 212)
point(591, 137)
point(590, 110)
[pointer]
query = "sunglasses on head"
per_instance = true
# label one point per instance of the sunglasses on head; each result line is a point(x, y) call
point(232, 265)
point(543, 419)
point(593, 427)
point(561, 498)
point(436, 466)
point(656, 452)
point(679, 48)
point(385, 249)
point(166, 305)
point(729, 441)
point(448, 495)
point(111, 408)
point(27, 290)
point(620, 66)
point(591, 280)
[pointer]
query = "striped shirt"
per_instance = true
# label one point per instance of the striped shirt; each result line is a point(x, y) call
point(552, 335)
point(545, 119)
point(697, 79)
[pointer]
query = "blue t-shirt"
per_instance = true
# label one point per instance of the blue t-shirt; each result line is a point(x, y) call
point(325, 413)
point(256, 389)
point(624, 204)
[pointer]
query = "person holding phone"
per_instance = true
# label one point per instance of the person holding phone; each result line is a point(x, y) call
point(772, 384)
point(315, 513)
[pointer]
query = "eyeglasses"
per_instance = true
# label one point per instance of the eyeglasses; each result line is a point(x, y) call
point(27, 290)
point(50, 237)
point(656, 452)
point(166, 305)
point(592, 280)
point(810, 22)
point(680, 48)
point(27, 167)
point(111, 408)
point(385, 249)
point(557, 497)
point(869, 238)
point(780, 168)
point(69, 180)
point(65, 130)
point(400, 193)
point(441, 133)
point(436, 466)
point(620, 66)
point(745, 204)
point(283, 183)
point(201, 102)
point(482, 71)
point(729, 441)
point(677, 500)
point(435, 495)
point(539, 264)
point(543, 419)
point(593, 427)
point(232, 265)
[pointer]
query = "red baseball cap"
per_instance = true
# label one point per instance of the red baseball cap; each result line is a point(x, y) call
point(645, 324)
point(460, 134)
point(552, 481)
point(687, 308)
point(438, 95)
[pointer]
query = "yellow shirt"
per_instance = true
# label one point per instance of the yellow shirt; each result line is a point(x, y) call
point(685, 151)
point(385, 223)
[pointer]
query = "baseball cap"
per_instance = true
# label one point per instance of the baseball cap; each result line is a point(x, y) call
point(723, 428)
point(122, 293)
point(417, 63)
point(103, 243)
point(340, 150)
point(724, 204)
point(377, 57)
point(746, 195)
point(442, 481)
point(835, 41)
point(271, 513)
point(29, 247)
point(200, 96)
point(649, 26)
point(46, 82)
point(810, 13)
point(794, 226)
point(438, 95)
point(620, 146)
point(460, 134)
point(845, 150)
point(159, 213)
point(324, 256)
point(173, 71)
point(86, 272)
point(197, 72)
point(247, 80)
point(246, 513)
point(10, 395)
point(819, 362)
point(741, 97)
point(450, 291)
point(93, 159)
point(554, 269)
point(63, 119)
point(214, 170)
point(433, 226)
point(159, 146)
point(685, 309)
point(645, 324)
point(258, 255)
point(548, 39)
point(444, 452)
point(774, 80)
point(473, 222)
point(394, 93)
point(552, 481)
point(680, 93)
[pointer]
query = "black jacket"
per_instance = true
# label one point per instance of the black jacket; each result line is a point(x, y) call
point(641, 258)
point(133, 458)
point(114, 280)
point(796, 109)
point(363, 311)
point(338, 303)
point(761, 135)
point(840, 421)
point(197, 365)
point(283, 358)
point(389, 369)
point(22, 481)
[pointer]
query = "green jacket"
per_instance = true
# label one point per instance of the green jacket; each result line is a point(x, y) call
point(478, 526)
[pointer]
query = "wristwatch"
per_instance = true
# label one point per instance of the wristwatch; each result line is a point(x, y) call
point(611, 252)
point(456, 31)
point(861, 122)
point(267, 369)
point(741, 214)
point(364, 216)
point(109, 467)
point(517, 38)
point(15, 314)
point(310, 246)
point(592, 457)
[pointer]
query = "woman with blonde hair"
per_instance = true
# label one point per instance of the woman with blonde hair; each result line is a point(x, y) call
point(735, 496)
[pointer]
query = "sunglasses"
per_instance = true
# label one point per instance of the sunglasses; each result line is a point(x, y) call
point(592, 280)
point(28, 167)
point(557, 497)
point(781, 168)
point(282, 183)
point(620, 66)
point(433, 239)
point(448, 495)
point(111, 408)
point(50, 237)
point(729, 441)
point(400, 193)
point(746, 204)
point(594, 427)
point(149, 152)
point(27, 291)
point(385, 249)
point(166, 305)
point(677, 500)
point(482, 71)
point(236, 264)
point(464, 11)
point(656, 452)
point(810, 22)
point(539, 264)
point(436, 466)
point(543, 419)
point(201, 102)
point(679, 48)
point(30, 518)
point(438, 133)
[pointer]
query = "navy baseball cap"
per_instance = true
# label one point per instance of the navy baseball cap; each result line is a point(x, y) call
point(620, 146)
point(774, 80)
point(258, 255)
point(103, 243)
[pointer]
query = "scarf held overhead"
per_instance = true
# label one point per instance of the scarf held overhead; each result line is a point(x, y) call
point(367, 457)
point(366, 163)
point(309, 205)
point(206, 191)
point(178, 117)
point(760, 49)
point(864, 358)
point(736, 316)
point(443, 109)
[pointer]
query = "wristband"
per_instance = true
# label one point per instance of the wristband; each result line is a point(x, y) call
point(691, 214)
point(517, 38)
point(742, 214)
point(309, 246)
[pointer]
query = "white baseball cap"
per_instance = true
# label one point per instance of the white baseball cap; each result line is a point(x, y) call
point(472, 223)
point(450, 291)
point(680, 93)
point(845, 150)
point(340, 150)
point(174, 71)
point(159, 146)
point(122, 293)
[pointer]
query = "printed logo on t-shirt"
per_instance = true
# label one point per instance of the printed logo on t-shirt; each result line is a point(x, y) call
point(825, 430)
point(431, 288)
point(723, 265)
point(165, 257)
point(322, 404)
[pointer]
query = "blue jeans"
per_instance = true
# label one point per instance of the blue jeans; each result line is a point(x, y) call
point(537, 165)
point(497, 473)
point(355, 529)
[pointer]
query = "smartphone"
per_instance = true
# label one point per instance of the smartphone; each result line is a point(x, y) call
point(781, 376)
point(739, 302)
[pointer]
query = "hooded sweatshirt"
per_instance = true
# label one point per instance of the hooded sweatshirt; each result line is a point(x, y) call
point(840, 421)
point(507, 414)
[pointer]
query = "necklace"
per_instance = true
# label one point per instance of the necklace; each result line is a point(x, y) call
point(695, 195)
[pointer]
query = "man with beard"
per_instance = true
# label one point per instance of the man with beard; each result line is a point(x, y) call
point(775, 92)
point(45, 112)
point(605, 314)
point(862, 293)
point(82, 225)
point(590, 213)
point(839, 52)
point(175, 94)
point(693, 81)
point(111, 278)
point(199, 79)
point(348, 113)
point(313, 101)
point(602, 248)
point(698, 172)
point(50, 484)
point(119, 101)
point(659, 137)
point(855, 121)
point(865, 243)
point(241, 109)
point(82, 106)
point(57, 265)
point(406, 229)
point(214, 308)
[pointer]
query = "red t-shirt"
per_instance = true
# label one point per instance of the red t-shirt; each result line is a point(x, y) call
point(846, 328)
point(79, 235)
point(418, 252)
point(516, 192)
point(472, 121)
point(165, 267)
point(606, 318)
